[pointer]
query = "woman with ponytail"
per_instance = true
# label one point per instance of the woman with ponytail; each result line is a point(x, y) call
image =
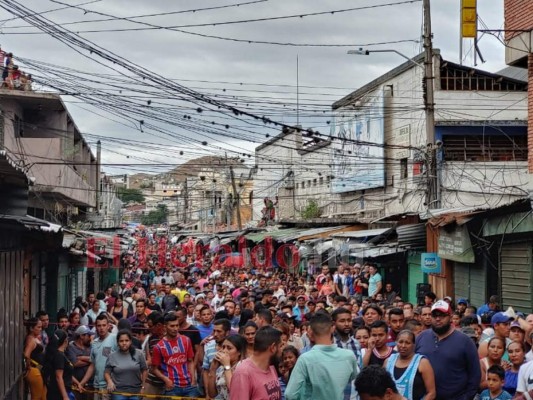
point(126, 369)
point(34, 358)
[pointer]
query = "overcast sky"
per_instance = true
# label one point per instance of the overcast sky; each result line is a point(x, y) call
point(218, 67)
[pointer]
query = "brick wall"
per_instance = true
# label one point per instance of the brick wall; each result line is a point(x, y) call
point(518, 14)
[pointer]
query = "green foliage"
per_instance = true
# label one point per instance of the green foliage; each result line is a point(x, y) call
point(312, 210)
point(147, 185)
point(130, 195)
point(156, 217)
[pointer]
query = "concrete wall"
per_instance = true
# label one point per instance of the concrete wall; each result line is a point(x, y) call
point(59, 178)
point(48, 137)
point(476, 184)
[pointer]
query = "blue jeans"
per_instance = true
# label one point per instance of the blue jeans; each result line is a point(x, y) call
point(187, 391)
point(122, 397)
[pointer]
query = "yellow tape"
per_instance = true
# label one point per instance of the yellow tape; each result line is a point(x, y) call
point(147, 396)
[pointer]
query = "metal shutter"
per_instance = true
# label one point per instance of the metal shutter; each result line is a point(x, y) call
point(515, 262)
point(462, 281)
point(470, 281)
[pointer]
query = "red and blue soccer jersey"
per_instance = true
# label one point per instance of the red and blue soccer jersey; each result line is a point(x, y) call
point(171, 357)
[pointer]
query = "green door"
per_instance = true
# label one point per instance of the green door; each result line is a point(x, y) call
point(415, 275)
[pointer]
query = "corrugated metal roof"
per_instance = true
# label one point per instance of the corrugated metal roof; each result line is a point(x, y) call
point(512, 72)
point(282, 235)
point(362, 234)
point(34, 223)
point(321, 232)
point(412, 235)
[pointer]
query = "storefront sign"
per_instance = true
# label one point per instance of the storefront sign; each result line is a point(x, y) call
point(430, 263)
point(456, 245)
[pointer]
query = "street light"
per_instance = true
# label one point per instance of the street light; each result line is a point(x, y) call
point(363, 52)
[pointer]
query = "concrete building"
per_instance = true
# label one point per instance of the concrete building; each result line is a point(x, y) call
point(295, 169)
point(372, 164)
point(38, 132)
point(208, 199)
point(120, 181)
point(168, 194)
point(109, 213)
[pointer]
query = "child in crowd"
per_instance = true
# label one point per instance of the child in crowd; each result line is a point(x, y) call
point(495, 381)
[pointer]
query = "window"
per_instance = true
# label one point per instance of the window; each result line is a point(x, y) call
point(321, 181)
point(485, 147)
point(303, 184)
point(403, 168)
point(314, 182)
point(297, 186)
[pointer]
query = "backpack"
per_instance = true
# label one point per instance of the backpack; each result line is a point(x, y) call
point(131, 310)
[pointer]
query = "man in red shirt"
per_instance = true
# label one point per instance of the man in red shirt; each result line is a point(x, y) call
point(173, 361)
point(322, 277)
point(255, 377)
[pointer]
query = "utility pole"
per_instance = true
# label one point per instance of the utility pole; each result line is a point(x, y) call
point(185, 201)
point(98, 162)
point(237, 198)
point(214, 202)
point(433, 197)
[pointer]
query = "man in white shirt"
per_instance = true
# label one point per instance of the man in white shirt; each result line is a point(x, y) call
point(525, 380)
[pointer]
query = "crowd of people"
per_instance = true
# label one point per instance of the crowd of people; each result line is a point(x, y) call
point(203, 331)
point(12, 77)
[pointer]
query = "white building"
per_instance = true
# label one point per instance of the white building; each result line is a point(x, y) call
point(373, 162)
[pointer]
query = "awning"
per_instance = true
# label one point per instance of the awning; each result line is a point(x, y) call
point(322, 247)
point(325, 232)
point(361, 234)
point(282, 235)
point(376, 251)
point(521, 222)
point(34, 223)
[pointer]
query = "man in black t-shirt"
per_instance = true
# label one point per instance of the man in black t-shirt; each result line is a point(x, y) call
point(152, 305)
point(187, 329)
point(170, 302)
point(156, 324)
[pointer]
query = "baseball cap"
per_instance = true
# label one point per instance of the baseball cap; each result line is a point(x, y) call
point(462, 300)
point(83, 330)
point(500, 318)
point(516, 324)
point(441, 306)
point(300, 297)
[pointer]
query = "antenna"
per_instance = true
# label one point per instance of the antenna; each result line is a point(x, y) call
point(297, 93)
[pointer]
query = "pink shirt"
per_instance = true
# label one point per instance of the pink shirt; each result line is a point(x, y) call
point(202, 282)
point(251, 382)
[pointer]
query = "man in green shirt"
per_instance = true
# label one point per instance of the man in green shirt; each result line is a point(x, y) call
point(325, 370)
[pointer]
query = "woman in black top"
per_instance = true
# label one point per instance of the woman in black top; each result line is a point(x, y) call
point(58, 368)
point(34, 358)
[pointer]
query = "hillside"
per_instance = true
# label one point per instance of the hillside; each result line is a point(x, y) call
point(193, 167)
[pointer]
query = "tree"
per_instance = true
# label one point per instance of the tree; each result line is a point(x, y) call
point(130, 195)
point(156, 217)
point(312, 210)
